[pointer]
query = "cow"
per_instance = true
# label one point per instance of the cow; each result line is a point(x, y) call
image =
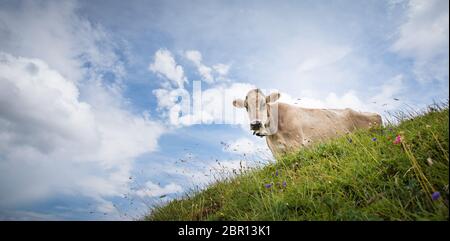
point(288, 128)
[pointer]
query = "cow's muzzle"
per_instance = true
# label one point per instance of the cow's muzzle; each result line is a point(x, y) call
point(255, 125)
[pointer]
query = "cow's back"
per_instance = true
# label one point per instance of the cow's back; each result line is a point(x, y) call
point(321, 124)
point(299, 127)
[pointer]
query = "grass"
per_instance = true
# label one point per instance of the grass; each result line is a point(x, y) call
point(354, 177)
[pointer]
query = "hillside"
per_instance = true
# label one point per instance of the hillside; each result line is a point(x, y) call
point(398, 172)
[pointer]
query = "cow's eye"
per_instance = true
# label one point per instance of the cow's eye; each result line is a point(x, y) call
point(246, 105)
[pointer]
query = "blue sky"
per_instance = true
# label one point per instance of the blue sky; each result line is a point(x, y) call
point(88, 89)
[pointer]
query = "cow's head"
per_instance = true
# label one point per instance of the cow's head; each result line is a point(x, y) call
point(256, 105)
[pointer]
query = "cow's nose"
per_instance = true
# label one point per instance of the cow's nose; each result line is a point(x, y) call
point(255, 125)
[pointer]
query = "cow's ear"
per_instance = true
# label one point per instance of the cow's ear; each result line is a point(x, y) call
point(272, 97)
point(238, 103)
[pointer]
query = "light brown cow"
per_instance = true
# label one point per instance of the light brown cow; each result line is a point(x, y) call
point(288, 128)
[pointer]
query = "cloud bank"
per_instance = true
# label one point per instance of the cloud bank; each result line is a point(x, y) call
point(64, 128)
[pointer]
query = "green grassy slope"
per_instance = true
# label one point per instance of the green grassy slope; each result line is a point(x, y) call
point(355, 177)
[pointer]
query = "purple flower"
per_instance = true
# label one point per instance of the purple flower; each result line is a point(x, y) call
point(268, 185)
point(284, 184)
point(374, 139)
point(435, 196)
point(276, 173)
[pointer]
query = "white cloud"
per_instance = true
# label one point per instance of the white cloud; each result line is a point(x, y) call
point(424, 37)
point(151, 189)
point(194, 56)
point(425, 33)
point(382, 101)
point(183, 108)
point(216, 105)
point(53, 32)
point(332, 100)
point(222, 69)
point(205, 71)
point(63, 130)
point(165, 65)
point(217, 72)
point(393, 88)
point(321, 57)
point(173, 103)
point(51, 142)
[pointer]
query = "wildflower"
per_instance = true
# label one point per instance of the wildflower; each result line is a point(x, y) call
point(276, 173)
point(430, 161)
point(268, 185)
point(284, 184)
point(374, 139)
point(435, 196)
point(350, 140)
point(398, 139)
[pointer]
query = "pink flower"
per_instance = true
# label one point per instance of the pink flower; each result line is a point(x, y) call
point(398, 139)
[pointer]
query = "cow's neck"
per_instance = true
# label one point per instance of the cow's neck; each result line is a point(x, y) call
point(271, 125)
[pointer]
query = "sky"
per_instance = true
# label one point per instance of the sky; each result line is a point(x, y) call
point(108, 108)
